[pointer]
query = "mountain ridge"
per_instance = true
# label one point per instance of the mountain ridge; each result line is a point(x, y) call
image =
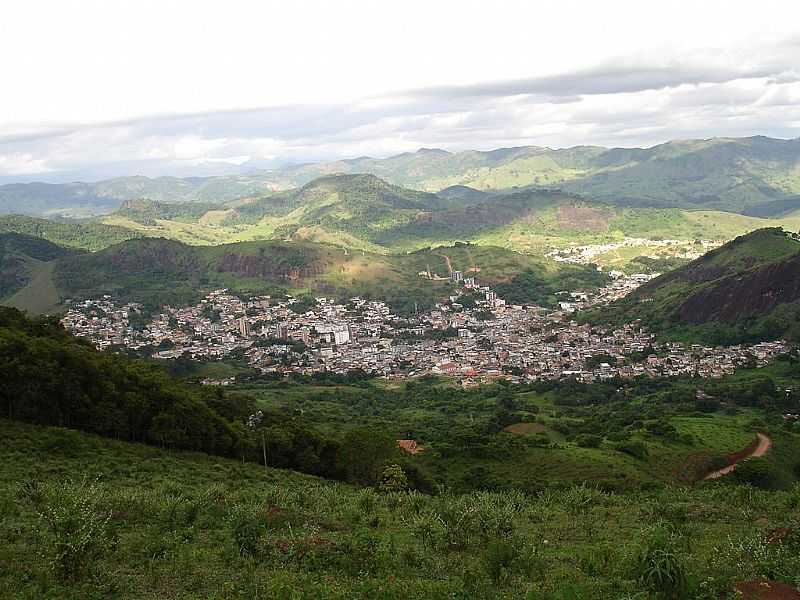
point(725, 173)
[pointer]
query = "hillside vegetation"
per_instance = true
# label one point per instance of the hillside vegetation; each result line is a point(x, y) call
point(19, 257)
point(158, 271)
point(748, 289)
point(366, 213)
point(72, 234)
point(156, 524)
point(586, 496)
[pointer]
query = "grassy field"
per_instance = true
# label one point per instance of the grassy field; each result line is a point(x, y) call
point(158, 524)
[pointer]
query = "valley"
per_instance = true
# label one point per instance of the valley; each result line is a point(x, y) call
point(400, 301)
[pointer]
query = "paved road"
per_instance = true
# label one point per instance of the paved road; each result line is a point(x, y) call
point(764, 444)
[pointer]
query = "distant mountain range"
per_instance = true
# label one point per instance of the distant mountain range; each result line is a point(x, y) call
point(757, 176)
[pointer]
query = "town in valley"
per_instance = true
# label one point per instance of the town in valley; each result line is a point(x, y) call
point(473, 336)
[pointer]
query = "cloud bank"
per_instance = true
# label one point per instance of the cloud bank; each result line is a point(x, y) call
point(620, 102)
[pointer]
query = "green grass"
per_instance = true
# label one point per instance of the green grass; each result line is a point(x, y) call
point(179, 523)
point(449, 423)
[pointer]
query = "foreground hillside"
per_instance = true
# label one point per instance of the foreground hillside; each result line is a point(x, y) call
point(155, 524)
point(90, 517)
point(748, 289)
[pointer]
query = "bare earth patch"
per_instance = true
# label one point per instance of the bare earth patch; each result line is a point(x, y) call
point(575, 216)
point(766, 590)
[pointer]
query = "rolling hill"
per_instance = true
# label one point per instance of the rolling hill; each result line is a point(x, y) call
point(73, 234)
point(158, 271)
point(746, 290)
point(755, 175)
point(364, 212)
point(20, 258)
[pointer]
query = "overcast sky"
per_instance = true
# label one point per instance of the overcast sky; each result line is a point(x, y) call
point(92, 89)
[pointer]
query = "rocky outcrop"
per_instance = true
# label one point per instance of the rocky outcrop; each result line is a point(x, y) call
point(266, 267)
point(756, 292)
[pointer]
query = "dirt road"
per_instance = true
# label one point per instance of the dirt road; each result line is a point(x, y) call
point(763, 445)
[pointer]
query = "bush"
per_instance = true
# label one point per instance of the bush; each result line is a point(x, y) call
point(758, 472)
point(77, 528)
point(246, 529)
point(498, 559)
point(659, 569)
point(634, 448)
point(588, 440)
point(393, 479)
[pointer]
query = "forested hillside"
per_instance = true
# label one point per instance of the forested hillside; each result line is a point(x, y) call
point(19, 257)
point(366, 213)
point(158, 271)
point(48, 377)
point(84, 235)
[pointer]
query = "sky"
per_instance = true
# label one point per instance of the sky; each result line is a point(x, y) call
point(97, 89)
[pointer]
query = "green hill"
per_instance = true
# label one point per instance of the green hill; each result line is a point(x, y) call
point(754, 175)
point(97, 198)
point(366, 213)
point(746, 290)
point(733, 174)
point(83, 235)
point(159, 271)
point(19, 257)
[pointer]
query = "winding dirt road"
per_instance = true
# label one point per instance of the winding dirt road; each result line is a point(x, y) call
point(763, 445)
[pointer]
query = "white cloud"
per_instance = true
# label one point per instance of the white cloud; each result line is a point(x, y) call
point(121, 86)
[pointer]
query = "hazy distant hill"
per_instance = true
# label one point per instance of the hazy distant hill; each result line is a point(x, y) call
point(87, 199)
point(755, 175)
point(746, 290)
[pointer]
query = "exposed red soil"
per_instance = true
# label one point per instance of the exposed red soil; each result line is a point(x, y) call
point(766, 590)
point(575, 216)
point(758, 447)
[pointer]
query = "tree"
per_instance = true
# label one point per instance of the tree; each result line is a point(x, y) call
point(364, 452)
point(393, 479)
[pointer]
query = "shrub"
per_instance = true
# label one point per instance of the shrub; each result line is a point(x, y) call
point(78, 528)
point(634, 448)
point(588, 440)
point(498, 559)
point(393, 479)
point(659, 569)
point(759, 473)
point(246, 528)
